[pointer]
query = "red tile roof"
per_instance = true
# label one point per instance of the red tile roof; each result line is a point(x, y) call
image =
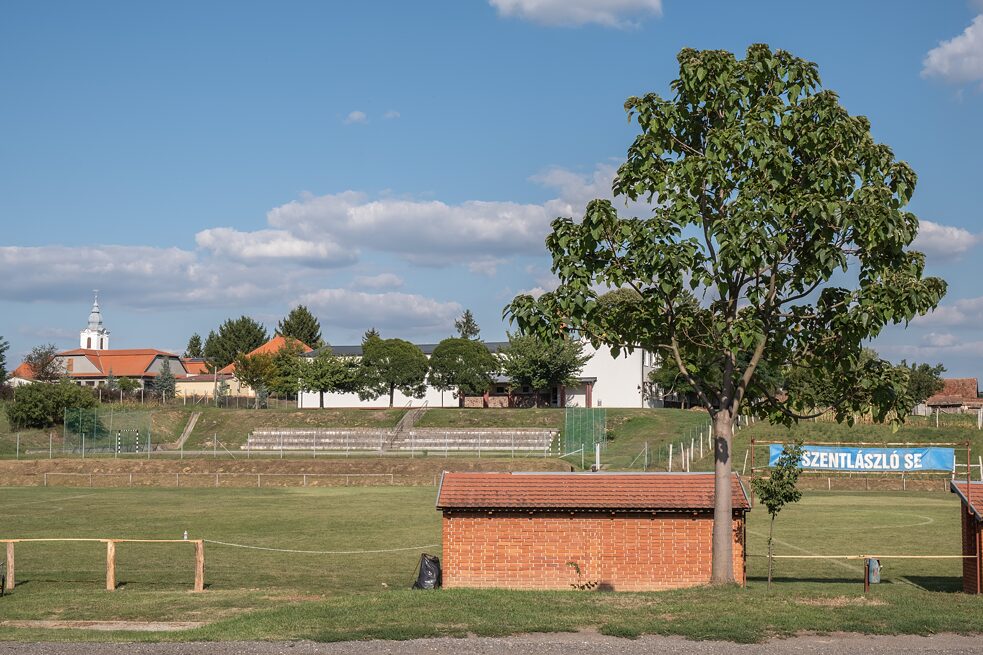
point(23, 371)
point(970, 495)
point(132, 362)
point(585, 491)
point(194, 366)
point(274, 345)
point(956, 391)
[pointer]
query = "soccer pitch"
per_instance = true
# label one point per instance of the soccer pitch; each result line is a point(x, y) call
point(268, 594)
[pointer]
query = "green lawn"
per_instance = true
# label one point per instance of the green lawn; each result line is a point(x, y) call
point(255, 594)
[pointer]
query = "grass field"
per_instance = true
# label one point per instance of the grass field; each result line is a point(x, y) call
point(255, 594)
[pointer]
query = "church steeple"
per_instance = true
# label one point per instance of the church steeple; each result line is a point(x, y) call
point(95, 336)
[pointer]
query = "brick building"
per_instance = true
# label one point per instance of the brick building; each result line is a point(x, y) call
point(958, 396)
point(972, 534)
point(624, 531)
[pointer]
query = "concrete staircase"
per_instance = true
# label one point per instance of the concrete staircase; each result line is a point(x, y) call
point(475, 439)
point(316, 439)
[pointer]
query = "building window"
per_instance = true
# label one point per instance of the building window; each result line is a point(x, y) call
point(499, 389)
point(88, 342)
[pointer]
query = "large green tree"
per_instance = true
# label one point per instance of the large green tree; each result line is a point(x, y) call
point(44, 363)
point(781, 212)
point(234, 337)
point(924, 380)
point(542, 363)
point(391, 364)
point(302, 325)
point(256, 372)
point(327, 373)
point(287, 370)
point(462, 364)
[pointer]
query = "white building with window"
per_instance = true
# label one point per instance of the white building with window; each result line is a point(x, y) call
point(605, 381)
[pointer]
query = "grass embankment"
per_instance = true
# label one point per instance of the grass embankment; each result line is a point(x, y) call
point(256, 594)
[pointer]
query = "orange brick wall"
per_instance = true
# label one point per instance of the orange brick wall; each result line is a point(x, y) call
point(622, 552)
point(971, 539)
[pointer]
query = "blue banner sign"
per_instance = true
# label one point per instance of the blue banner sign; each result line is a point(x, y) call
point(873, 460)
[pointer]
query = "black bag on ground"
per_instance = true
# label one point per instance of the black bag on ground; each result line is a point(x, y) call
point(429, 575)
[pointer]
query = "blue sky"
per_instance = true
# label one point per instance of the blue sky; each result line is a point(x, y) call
point(392, 163)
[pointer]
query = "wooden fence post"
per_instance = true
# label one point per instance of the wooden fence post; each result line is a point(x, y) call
point(110, 565)
point(199, 565)
point(9, 584)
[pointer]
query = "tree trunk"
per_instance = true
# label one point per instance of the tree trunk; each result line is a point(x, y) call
point(392, 392)
point(320, 397)
point(722, 569)
point(771, 531)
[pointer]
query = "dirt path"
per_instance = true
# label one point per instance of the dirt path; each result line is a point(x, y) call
point(538, 644)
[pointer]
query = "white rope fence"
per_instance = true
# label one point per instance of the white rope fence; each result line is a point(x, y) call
point(318, 552)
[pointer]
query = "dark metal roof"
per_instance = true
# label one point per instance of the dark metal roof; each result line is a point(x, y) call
point(427, 348)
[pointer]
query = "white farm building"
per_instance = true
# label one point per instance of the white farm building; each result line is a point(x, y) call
point(605, 381)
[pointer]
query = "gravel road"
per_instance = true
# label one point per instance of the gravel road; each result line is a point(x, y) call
point(538, 644)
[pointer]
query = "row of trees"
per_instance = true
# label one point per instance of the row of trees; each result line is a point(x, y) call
point(388, 365)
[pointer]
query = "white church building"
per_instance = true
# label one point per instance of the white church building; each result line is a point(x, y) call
point(605, 381)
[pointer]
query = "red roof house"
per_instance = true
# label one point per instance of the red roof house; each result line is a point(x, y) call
point(622, 531)
point(273, 346)
point(957, 394)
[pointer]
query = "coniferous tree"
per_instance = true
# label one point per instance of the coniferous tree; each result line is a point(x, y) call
point(234, 337)
point(466, 326)
point(4, 346)
point(301, 325)
point(164, 383)
point(194, 349)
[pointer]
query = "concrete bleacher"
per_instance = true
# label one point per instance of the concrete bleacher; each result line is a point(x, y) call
point(486, 439)
point(417, 439)
point(369, 439)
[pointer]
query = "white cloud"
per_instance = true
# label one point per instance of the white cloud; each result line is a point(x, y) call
point(960, 59)
point(935, 239)
point(940, 339)
point(380, 281)
point(403, 312)
point(609, 13)
point(279, 245)
point(391, 114)
point(139, 276)
point(356, 117)
point(962, 312)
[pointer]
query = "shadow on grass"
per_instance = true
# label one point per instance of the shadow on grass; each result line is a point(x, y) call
point(943, 583)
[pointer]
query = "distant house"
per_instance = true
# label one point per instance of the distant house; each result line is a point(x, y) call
point(92, 368)
point(958, 395)
point(93, 362)
point(200, 383)
point(605, 381)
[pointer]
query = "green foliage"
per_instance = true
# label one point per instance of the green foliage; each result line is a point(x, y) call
point(466, 326)
point(923, 381)
point(326, 373)
point(767, 188)
point(112, 384)
point(541, 364)
point(390, 364)
point(164, 383)
point(4, 347)
point(301, 325)
point(44, 364)
point(462, 363)
point(370, 335)
point(128, 385)
point(234, 337)
point(779, 489)
point(41, 404)
point(764, 196)
point(256, 372)
point(194, 350)
point(286, 370)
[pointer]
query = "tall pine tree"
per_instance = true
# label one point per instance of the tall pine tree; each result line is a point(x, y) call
point(194, 347)
point(302, 325)
point(236, 336)
point(466, 326)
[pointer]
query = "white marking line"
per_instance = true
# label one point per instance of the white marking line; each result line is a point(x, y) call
point(47, 500)
point(926, 521)
point(841, 564)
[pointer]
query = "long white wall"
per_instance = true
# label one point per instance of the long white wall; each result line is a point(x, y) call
point(620, 383)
